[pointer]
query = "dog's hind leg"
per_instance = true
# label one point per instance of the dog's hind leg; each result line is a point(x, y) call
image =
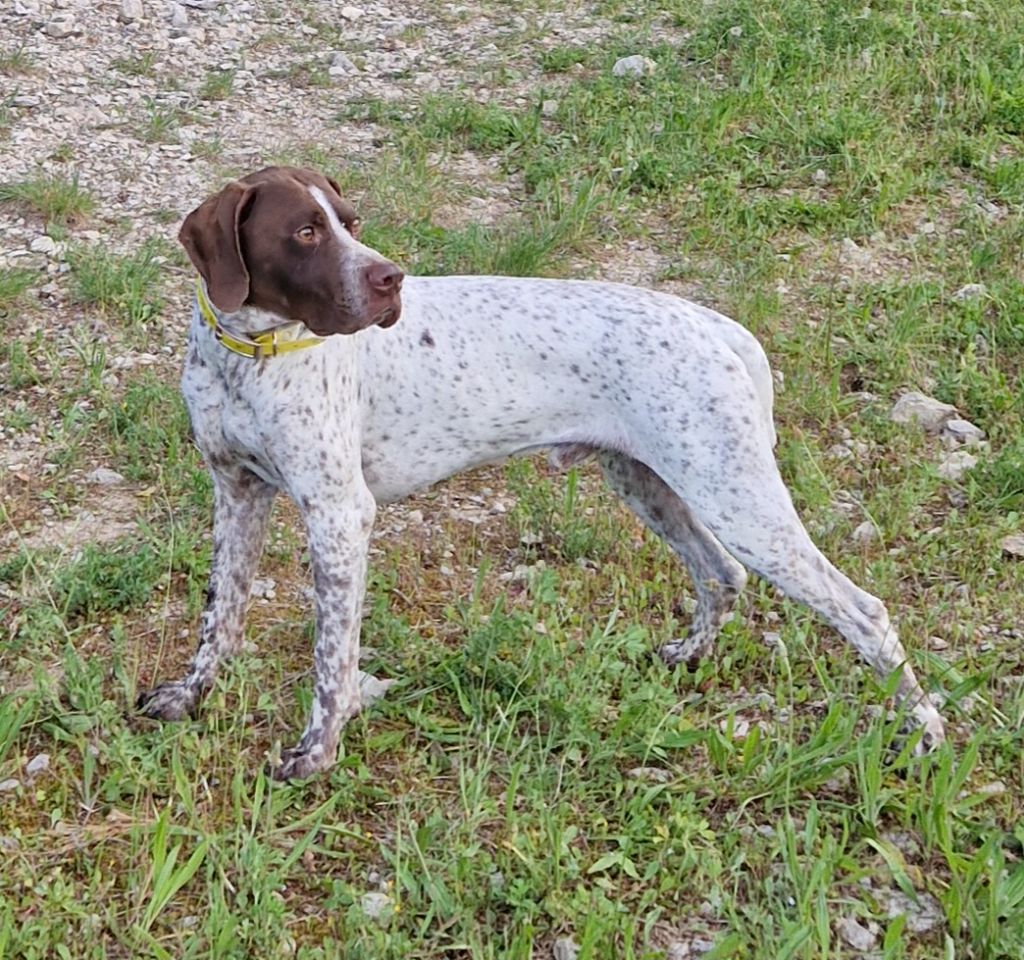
point(717, 578)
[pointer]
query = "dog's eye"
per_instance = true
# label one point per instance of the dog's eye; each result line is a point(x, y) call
point(306, 233)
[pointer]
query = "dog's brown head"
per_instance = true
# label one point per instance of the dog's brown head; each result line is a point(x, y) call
point(285, 241)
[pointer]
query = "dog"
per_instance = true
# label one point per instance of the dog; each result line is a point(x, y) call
point(300, 378)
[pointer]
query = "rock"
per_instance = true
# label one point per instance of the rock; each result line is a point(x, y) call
point(923, 915)
point(963, 431)
point(44, 244)
point(915, 407)
point(352, 13)
point(371, 689)
point(864, 533)
point(1013, 545)
point(634, 66)
point(549, 108)
point(6, 786)
point(651, 774)
point(26, 101)
point(104, 477)
point(340, 65)
point(956, 464)
point(857, 936)
point(820, 177)
point(376, 905)
point(263, 588)
point(179, 17)
point(851, 253)
point(61, 26)
point(970, 291)
point(688, 949)
point(564, 948)
point(38, 764)
point(130, 11)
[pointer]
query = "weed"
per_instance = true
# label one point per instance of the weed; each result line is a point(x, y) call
point(55, 199)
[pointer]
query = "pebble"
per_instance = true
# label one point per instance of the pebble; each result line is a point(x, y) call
point(956, 464)
point(340, 65)
point(376, 905)
point(104, 477)
point(963, 431)
point(352, 13)
point(6, 786)
point(651, 774)
point(61, 26)
point(1013, 545)
point(970, 291)
point(38, 764)
point(857, 936)
point(564, 948)
point(864, 533)
point(929, 413)
point(130, 10)
point(44, 244)
point(264, 588)
point(634, 66)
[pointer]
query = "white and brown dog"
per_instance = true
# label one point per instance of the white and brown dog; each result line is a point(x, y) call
point(293, 383)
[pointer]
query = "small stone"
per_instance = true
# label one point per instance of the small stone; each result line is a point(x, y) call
point(864, 533)
point(564, 948)
point(44, 244)
point(38, 764)
point(263, 588)
point(549, 108)
point(352, 13)
point(851, 253)
point(956, 464)
point(923, 914)
point(634, 66)
point(938, 643)
point(915, 407)
point(736, 31)
point(927, 228)
point(970, 291)
point(376, 905)
point(371, 689)
point(1013, 545)
point(26, 101)
point(130, 10)
point(61, 26)
point(6, 786)
point(650, 774)
point(963, 431)
point(340, 65)
point(857, 936)
point(104, 477)
point(820, 177)
point(179, 17)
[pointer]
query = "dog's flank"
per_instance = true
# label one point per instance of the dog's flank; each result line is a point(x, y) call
point(674, 399)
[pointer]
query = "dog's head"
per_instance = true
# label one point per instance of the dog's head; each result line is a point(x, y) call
point(285, 241)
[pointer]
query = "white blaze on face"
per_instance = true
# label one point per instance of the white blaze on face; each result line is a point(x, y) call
point(354, 255)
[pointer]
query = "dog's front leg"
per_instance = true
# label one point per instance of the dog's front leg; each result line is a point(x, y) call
point(339, 524)
point(242, 503)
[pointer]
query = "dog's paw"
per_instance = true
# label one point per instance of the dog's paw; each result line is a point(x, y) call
point(689, 651)
point(933, 734)
point(169, 701)
point(300, 763)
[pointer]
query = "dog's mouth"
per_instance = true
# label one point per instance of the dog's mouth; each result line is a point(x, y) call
point(388, 317)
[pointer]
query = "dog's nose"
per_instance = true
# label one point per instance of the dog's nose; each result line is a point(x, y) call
point(384, 277)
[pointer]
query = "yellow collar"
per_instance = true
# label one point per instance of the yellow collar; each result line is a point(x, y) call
point(258, 345)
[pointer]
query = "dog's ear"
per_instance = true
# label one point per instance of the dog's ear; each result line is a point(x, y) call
point(210, 237)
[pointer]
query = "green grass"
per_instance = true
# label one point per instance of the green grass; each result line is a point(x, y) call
point(55, 199)
point(126, 286)
point(536, 773)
